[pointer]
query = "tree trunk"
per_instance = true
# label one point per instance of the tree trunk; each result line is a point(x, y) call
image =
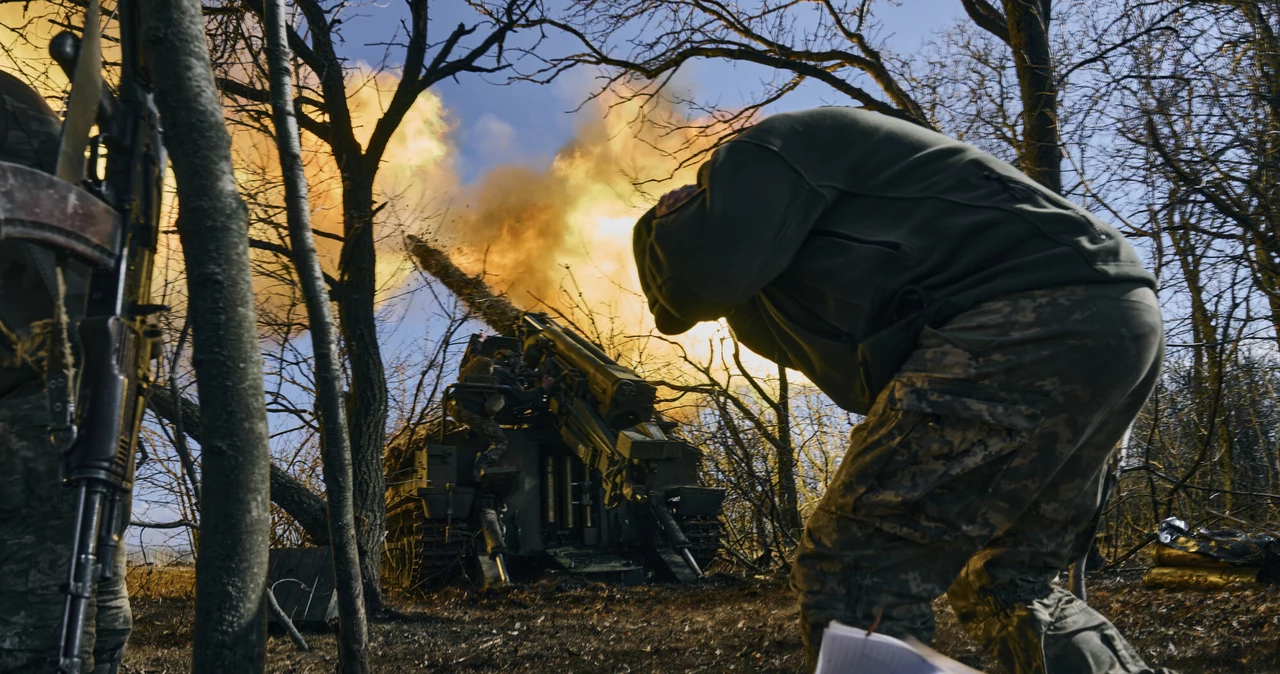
point(788, 501)
point(353, 651)
point(368, 413)
point(294, 498)
point(1040, 154)
point(1266, 243)
point(1210, 366)
point(231, 571)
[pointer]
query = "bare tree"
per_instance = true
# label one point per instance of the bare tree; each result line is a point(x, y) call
point(231, 574)
point(295, 498)
point(744, 422)
point(1193, 109)
point(327, 115)
point(641, 44)
point(354, 638)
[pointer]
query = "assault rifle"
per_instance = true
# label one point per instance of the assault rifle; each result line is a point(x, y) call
point(110, 223)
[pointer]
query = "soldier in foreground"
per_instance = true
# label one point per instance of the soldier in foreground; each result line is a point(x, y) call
point(37, 514)
point(998, 338)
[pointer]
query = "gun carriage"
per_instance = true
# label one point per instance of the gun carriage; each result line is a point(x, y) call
point(593, 480)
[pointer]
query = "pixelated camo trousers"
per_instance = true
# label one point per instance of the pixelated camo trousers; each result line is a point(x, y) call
point(37, 518)
point(978, 472)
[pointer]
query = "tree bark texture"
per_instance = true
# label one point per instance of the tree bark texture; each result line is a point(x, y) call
point(368, 419)
point(1041, 156)
point(231, 570)
point(298, 501)
point(353, 650)
point(357, 285)
point(788, 498)
point(355, 289)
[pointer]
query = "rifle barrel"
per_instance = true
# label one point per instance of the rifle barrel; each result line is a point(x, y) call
point(80, 579)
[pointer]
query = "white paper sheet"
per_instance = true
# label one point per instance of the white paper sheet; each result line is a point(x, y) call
point(849, 650)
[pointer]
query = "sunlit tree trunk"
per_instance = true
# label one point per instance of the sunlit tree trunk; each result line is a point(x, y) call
point(353, 648)
point(231, 571)
point(1040, 155)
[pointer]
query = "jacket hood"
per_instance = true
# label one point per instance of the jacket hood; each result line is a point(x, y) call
point(667, 320)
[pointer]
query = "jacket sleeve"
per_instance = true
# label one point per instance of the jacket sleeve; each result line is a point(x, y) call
point(741, 231)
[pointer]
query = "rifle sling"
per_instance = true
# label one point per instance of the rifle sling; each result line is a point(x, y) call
point(38, 207)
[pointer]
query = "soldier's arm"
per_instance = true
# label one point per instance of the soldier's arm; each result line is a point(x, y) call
point(719, 247)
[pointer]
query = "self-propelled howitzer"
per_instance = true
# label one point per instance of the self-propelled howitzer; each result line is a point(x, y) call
point(592, 479)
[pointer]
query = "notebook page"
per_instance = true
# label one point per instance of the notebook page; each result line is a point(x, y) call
point(849, 650)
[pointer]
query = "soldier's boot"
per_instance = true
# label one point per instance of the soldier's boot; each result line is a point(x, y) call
point(1032, 626)
point(108, 662)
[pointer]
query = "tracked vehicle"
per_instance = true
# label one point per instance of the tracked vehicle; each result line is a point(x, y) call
point(593, 480)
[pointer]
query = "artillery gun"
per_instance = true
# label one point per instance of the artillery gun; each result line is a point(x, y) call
point(593, 480)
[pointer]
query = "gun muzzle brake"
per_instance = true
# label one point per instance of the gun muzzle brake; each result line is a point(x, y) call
point(65, 49)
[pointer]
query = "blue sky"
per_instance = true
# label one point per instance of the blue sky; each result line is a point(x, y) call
point(527, 123)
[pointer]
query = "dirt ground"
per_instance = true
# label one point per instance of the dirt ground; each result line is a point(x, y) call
point(729, 624)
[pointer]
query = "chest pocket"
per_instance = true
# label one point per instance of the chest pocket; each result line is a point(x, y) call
point(830, 235)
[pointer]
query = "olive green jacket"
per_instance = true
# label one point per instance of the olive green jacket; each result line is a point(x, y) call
point(830, 238)
point(29, 133)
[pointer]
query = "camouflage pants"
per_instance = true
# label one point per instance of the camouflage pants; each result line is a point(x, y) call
point(978, 472)
point(37, 521)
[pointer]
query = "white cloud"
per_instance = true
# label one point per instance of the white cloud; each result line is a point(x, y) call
point(493, 138)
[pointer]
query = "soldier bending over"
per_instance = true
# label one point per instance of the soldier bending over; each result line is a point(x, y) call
point(998, 338)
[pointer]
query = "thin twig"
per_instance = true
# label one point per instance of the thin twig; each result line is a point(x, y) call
point(294, 634)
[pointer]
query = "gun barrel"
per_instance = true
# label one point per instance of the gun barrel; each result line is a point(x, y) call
point(590, 348)
point(80, 581)
point(624, 398)
point(573, 351)
point(688, 559)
